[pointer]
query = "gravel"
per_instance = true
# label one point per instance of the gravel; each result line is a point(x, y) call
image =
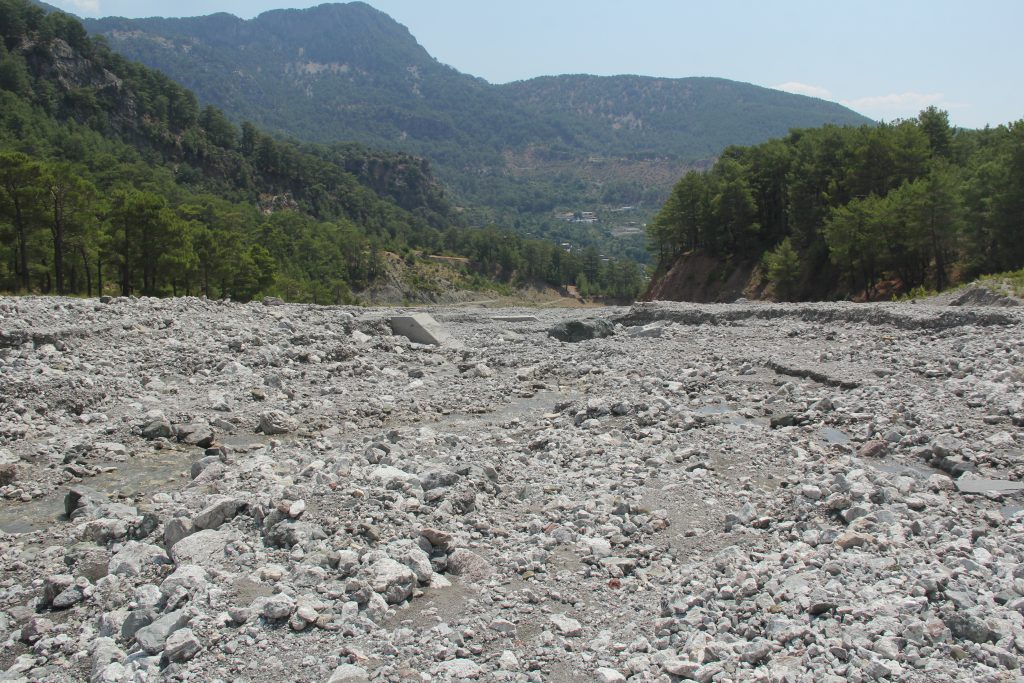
point(201, 490)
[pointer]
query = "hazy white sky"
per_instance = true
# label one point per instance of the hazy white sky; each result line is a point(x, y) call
point(886, 59)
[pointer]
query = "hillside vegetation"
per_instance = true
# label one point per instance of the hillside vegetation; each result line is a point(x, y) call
point(856, 211)
point(517, 153)
point(114, 178)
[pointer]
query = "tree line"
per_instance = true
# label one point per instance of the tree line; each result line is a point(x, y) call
point(113, 179)
point(508, 256)
point(63, 235)
point(836, 211)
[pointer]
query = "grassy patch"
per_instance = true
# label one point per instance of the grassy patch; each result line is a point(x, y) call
point(919, 292)
point(1009, 283)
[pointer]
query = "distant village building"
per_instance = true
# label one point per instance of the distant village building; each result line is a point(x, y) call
point(579, 216)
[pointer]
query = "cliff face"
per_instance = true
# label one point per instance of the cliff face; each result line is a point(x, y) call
point(84, 85)
point(705, 279)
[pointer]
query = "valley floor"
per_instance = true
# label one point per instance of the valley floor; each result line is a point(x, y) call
point(205, 491)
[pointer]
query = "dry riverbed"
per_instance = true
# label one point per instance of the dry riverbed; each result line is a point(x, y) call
point(194, 490)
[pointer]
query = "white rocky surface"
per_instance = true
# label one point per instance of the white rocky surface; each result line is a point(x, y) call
point(194, 490)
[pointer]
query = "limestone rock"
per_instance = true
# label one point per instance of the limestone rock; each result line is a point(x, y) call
point(134, 558)
point(181, 646)
point(394, 581)
point(277, 422)
point(204, 548)
point(153, 638)
point(469, 565)
point(349, 673)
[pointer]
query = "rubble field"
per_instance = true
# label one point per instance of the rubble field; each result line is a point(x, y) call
point(196, 490)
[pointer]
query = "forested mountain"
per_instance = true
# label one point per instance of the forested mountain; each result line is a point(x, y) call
point(114, 178)
point(687, 118)
point(349, 72)
point(865, 211)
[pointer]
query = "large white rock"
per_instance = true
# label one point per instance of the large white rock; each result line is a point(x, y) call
point(468, 565)
point(188, 576)
point(460, 668)
point(393, 580)
point(135, 557)
point(349, 673)
point(605, 675)
point(182, 646)
point(421, 328)
point(204, 548)
point(386, 474)
point(277, 422)
point(567, 626)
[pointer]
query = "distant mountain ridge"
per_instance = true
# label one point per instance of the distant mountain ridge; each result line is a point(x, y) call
point(690, 118)
point(348, 72)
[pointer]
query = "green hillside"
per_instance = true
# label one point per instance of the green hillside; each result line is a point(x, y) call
point(864, 212)
point(685, 118)
point(516, 152)
point(114, 179)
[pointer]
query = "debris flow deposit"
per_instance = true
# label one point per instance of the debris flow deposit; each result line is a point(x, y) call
point(196, 490)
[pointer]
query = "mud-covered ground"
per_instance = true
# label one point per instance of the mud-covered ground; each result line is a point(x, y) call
point(209, 491)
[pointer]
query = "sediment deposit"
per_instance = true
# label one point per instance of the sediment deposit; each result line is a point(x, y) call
point(196, 490)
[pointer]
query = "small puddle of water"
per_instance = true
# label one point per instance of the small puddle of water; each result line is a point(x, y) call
point(715, 409)
point(524, 408)
point(146, 474)
point(988, 486)
point(908, 469)
point(1009, 511)
point(834, 436)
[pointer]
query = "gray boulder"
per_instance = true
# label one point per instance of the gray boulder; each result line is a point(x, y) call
point(191, 578)
point(575, 331)
point(181, 646)
point(392, 580)
point(195, 434)
point(157, 429)
point(435, 479)
point(175, 530)
point(277, 422)
point(349, 673)
point(36, 628)
point(135, 557)
point(221, 510)
point(469, 565)
point(420, 328)
point(136, 620)
point(204, 548)
point(54, 586)
point(153, 638)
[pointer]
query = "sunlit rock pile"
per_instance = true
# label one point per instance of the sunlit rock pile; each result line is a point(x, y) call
point(194, 490)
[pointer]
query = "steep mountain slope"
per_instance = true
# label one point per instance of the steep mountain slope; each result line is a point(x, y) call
point(330, 73)
point(109, 168)
point(688, 118)
point(349, 72)
point(113, 178)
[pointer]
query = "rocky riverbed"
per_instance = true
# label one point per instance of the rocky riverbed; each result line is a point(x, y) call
point(194, 490)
